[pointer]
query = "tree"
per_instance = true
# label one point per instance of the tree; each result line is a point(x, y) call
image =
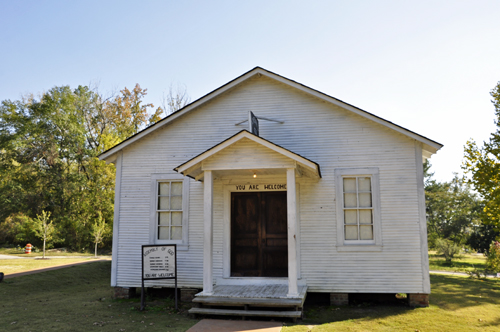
point(99, 230)
point(176, 99)
point(17, 228)
point(493, 262)
point(43, 228)
point(452, 209)
point(45, 159)
point(127, 115)
point(108, 121)
point(447, 248)
point(48, 156)
point(482, 236)
point(482, 165)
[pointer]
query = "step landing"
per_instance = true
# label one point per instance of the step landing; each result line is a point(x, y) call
point(250, 301)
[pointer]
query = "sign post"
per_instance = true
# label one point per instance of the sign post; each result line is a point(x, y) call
point(159, 262)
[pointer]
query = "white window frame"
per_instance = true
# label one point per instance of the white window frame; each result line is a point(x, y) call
point(153, 232)
point(358, 245)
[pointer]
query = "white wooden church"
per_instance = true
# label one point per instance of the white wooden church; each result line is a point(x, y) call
point(272, 189)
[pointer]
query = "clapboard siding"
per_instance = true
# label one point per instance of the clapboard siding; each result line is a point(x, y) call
point(248, 153)
point(314, 129)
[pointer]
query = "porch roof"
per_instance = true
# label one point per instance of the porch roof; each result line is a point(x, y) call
point(245, 153)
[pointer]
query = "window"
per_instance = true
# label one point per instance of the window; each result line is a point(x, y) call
point(169, 210)
point(358, 208)
point(358, 205)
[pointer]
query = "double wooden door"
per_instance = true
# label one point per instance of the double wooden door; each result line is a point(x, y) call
point(259, 245)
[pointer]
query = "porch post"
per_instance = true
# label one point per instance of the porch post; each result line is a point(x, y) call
point(291, 200)
point(207, 233)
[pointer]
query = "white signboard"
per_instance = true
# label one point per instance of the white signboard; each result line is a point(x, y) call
point(159, 261)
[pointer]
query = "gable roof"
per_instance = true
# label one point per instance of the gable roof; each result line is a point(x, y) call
point(192, 167)
point(429, 146)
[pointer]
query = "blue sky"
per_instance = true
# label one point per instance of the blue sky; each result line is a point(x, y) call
point(426, 65)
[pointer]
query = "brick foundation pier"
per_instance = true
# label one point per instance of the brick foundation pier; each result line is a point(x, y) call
point(124, 292)
point(339, 298)
point(418, 300)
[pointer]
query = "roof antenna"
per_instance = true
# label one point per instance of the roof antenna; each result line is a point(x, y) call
point(253, 123)
point(258, 118)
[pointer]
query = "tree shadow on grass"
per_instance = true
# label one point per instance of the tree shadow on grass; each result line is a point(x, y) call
point(316, 314)
point(453, 292)
point(449, 293)
point(495, 322)
point(79, 298)
point(458, 265)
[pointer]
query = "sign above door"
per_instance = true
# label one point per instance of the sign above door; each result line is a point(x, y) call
point(260, 187)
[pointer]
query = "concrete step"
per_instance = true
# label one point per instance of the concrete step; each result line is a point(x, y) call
point(246, 313)
point(240, 301)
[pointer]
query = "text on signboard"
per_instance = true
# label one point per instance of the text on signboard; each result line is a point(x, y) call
point(261, 187)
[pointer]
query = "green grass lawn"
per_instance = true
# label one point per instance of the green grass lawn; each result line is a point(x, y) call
point(464, 263)
point(456, 304)
point(48, 253)
point(9, 266)
point(79, 299)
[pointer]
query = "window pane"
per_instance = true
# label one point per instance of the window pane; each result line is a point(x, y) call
point(351, 217)
point(176, 233)
point(163, 218)
point(365, 217)
point(350, 200)
point(366, 232)
point(351, 232)
point(163, 188)
point(365, 200)
point(163, 233)
point(349, 185)
point(364, 184)
point(177, 218)
point(170, 199)
point(163, 203)
point(176, 189)
point(176, 202)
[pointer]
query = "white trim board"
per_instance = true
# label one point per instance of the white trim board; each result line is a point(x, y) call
point(195, 163)
point(422, 219)
point(359, 245)
point(153, 226)
point(116, 219)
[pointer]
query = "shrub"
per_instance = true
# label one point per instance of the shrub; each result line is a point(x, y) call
point(447, 248)
point(493, 262)
point(476, 273)
point(17, 229)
